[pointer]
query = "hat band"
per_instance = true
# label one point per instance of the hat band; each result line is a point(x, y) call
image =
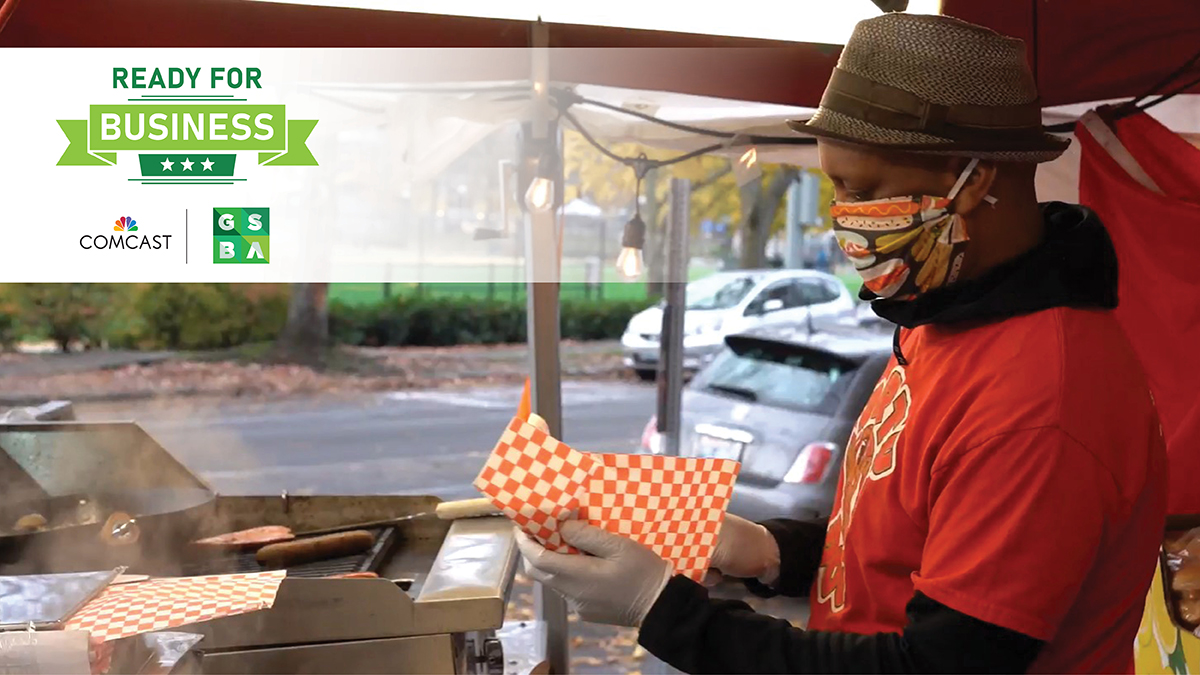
point(893, 108)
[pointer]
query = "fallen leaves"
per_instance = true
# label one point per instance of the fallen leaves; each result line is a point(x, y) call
point(390, 369)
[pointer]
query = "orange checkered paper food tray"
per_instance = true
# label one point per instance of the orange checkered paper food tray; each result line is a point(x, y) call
point(672, 505)
point(536, 480)
point(131, 609)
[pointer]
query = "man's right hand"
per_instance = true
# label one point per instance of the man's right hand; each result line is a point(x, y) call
point(745, 550)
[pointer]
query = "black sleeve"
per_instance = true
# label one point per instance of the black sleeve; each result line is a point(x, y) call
point(801, 543)
point(698, 635)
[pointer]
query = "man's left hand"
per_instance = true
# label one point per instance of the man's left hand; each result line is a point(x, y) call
point(617, 584)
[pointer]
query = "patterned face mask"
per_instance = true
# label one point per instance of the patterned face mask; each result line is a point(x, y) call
point(904, 246)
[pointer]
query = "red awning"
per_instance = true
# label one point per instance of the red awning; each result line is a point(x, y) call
point(1095, 50)
point(1084, 50)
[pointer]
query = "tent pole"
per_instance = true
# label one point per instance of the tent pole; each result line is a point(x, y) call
point(542, 254)
point(670, 374)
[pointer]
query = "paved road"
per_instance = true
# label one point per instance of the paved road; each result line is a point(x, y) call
point(421, 442)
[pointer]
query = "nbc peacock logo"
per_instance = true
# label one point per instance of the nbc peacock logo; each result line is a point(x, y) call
point(125, 224)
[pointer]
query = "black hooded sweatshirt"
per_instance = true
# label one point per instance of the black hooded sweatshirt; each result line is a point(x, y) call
point(1075, 266)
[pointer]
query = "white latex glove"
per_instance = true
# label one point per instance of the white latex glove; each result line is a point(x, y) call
point(617, 584)
point(745, 550)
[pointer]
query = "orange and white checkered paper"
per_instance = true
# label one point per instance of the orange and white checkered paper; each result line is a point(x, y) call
point(131, 609)
point(673, 505)
point(536, 480)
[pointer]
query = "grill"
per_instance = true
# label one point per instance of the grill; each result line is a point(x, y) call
point(435, 607)
point(367, 561)
point(440, 597)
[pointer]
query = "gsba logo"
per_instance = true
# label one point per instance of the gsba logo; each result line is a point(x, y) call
point(242, 236)
point(126, 240)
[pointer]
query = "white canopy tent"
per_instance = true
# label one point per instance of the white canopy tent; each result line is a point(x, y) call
point(429, 129)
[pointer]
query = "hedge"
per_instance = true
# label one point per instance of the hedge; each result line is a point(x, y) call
point(218, 316)
point(437, 322)
point(65, 313)
point(208, 316)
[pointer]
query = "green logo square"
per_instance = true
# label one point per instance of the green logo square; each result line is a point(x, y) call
point(241, 236)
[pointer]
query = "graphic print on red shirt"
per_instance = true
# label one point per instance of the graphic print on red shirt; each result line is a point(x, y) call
point(870, 455)
point(1014, 471)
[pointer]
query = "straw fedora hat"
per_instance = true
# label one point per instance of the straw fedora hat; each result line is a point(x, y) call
point(935, 85)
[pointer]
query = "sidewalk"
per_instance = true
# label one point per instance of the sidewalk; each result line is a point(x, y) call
point(30, 379)
point(56, 363)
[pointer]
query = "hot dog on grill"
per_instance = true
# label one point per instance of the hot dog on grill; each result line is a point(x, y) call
point(300, 551)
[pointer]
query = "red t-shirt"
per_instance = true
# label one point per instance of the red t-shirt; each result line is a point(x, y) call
point(1015, 472)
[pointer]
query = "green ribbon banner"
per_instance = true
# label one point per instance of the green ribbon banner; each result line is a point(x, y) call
point(195, 129)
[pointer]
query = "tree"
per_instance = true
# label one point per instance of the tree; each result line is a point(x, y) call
point(305, 336)
point(752, 210)
point(65, 313)
point(761, 213)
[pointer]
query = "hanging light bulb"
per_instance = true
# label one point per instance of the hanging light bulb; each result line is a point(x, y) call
point(540, 195)
point(630, 263)
point(747, 168)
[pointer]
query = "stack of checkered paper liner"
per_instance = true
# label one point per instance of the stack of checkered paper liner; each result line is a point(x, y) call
point(673, 505)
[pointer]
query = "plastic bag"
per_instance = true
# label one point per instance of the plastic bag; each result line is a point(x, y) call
point(1183, 561)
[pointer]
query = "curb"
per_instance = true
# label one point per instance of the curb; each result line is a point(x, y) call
point(20, 400)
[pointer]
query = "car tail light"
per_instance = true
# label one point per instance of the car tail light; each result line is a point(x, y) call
point(651, 439)
point(812, 464)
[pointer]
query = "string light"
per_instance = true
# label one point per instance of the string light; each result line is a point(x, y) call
point(630, 263)
point(747, 169)
point(540, 195)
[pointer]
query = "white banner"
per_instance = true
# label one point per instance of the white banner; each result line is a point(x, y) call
point(299, 165)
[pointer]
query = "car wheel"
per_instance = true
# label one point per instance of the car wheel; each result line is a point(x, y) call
point(646, 375)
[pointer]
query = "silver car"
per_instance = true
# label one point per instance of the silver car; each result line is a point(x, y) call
point(727, 303)
point(783, 401)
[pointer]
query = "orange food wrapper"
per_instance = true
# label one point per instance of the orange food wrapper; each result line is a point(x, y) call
point(131, 609)
point(672, 505)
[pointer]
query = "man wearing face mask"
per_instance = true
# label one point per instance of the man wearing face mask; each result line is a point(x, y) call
point(1002, 497)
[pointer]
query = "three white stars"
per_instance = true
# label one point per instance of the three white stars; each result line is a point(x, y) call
point(187, 164)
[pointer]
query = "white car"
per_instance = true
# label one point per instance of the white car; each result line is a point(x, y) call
point(726, 303)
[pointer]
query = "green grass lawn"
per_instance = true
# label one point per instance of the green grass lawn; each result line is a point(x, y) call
point(475, 285)
point(366, 294)
point(499, 283)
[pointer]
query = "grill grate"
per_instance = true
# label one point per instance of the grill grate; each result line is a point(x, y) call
point(367, 561)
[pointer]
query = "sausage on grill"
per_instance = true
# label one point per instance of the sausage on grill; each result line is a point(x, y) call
point(300, 551)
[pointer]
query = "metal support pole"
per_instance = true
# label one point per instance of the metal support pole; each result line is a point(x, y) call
point(670, 373)
point(811, 190)
point(794, 252)
point(505, 190)
point(541, 253)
